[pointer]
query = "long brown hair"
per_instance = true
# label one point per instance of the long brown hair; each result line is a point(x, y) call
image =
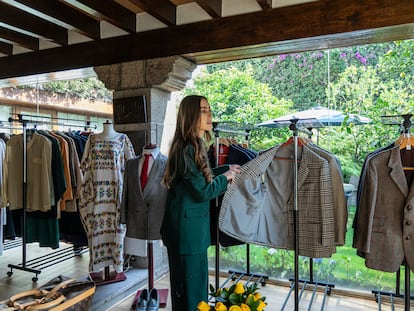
point(187, 133)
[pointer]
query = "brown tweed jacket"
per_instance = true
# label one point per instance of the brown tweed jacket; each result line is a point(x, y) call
point(384, 227)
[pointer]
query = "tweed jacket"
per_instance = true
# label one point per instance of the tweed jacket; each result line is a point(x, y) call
point(143, 211)
point(339, 198)
point(384, 227)
point(258, 206)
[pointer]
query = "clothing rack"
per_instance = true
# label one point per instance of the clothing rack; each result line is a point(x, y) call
point(38, 120)
point(294, 128)
point(397, 294)
point(237, 276)
point(35, 265)
point(235, 129)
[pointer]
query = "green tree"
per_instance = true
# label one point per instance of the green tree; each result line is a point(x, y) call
point(236, 97)
point(383, 92)
point(304, 77)
point(89, 88)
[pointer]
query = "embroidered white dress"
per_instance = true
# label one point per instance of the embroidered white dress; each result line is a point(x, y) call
point(103, 166)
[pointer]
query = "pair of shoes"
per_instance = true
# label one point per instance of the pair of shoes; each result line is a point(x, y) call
point(153, 300)
point(147, 302)
point(142, 301)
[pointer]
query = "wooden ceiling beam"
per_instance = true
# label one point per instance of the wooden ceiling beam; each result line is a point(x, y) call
point(113, 13)
point(265, 4)
point(212, 7)
point(6, 48)
point(163, 10)
point(328, 24)
point(58, 10)
point(21, 39)
point(32, 24)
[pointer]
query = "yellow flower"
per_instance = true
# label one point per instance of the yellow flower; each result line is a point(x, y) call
point(244, 307)
point(249, 299)
point(203, 306)
point(239, 289)
point(261, 306)
point(220, 306)
point(256, 296)
point(235, 308)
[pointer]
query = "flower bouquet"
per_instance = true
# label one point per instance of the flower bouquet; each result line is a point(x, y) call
point(237, 297)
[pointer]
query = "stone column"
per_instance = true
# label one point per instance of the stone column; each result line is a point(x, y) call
point(152, 80)
point(141, 92)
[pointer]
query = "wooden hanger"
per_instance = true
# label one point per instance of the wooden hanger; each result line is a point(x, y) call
point(406, 141)
point(224, 141)
point(301, 142)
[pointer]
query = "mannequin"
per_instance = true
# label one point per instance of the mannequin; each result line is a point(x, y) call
point(142, 210)
point(153, 151)
point(133, 245)
point(103, 164)
point(108, 131)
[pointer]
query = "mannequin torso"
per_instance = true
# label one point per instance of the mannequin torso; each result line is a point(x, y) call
point(108, 132)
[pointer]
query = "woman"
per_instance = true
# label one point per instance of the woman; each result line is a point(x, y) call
point(191, 185)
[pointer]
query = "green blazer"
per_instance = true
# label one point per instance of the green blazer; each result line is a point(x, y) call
point(186, 224)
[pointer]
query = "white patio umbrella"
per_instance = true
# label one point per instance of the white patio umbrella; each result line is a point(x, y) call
point(315, 118)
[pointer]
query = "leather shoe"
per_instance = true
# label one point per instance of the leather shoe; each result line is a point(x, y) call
point(142, 301)
point(153, 302)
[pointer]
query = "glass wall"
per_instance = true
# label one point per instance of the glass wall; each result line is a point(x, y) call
point(373, 81)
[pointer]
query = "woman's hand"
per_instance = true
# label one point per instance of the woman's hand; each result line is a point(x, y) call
point(234, 169)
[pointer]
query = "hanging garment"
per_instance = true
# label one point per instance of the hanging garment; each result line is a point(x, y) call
point(103, 165)
point(235, 155)
point(143, 210)
point(70, 225)
point(384, 224)
point(40, 193)
point(258, 205)
point(361, 179)
point(339, 198)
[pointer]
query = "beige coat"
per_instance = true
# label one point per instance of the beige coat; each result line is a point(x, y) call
point(39, 174)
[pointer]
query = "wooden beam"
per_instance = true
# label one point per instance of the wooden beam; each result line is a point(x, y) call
point(21, 39)
point(33, 24)
point(328, 24)
point(265, 4)
point(212, 7)
point(6, 48)
point(113, 13)
point(162, 10)
point(67, 14)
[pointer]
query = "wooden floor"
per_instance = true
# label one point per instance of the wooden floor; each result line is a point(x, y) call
point(119, 296)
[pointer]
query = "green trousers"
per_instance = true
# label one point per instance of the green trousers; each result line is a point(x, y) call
point(188, 280)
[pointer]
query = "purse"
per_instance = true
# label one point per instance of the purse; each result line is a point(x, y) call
point(60, 293)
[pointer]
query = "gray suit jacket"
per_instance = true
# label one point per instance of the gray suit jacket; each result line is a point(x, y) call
point(143, 211)
point(384, 228)
point(258, 205)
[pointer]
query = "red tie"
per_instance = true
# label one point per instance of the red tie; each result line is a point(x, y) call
point(144, 171)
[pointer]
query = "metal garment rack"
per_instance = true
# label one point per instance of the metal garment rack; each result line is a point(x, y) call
point(35, 265)
point(293, 126)
point(245, 131)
